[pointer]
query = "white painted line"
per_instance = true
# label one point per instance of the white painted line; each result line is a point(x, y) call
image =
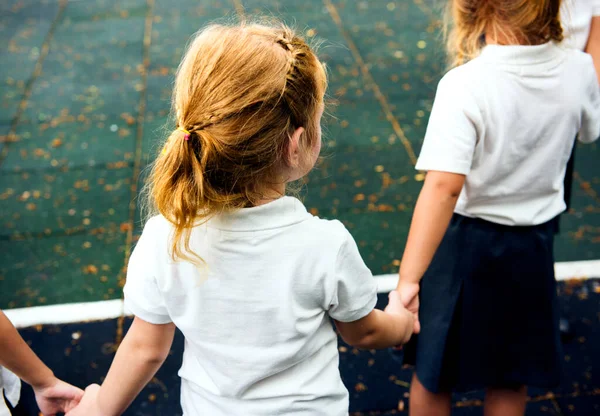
point(563, 271)
point(386, 282)
point(65, 313)
point(577, 269)
point(111, 309)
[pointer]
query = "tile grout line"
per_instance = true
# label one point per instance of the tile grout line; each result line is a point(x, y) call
point(370, 80)
point(147, 40)
point(426, 10)
point(37, 71)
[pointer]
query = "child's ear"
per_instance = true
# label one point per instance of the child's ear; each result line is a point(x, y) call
point(294, 151)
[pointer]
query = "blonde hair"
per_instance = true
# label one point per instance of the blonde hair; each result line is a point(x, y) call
point(240, 92)
point(518, 21)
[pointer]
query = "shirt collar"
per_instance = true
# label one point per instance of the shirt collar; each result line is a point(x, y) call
point(282, 212)
point(522, 54)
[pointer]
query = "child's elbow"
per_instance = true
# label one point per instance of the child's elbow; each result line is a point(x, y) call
point(448, 185)
point(365, 341)
point(149, 353)
point(153, 356)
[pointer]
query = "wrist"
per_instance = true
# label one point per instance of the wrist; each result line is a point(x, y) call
point(44, 380)
point(104, 405)
point(406, 281)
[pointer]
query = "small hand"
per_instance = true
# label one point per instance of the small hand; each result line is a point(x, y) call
point(409, 296)
point(57, 397)
point(89, 404)
point(395, 307)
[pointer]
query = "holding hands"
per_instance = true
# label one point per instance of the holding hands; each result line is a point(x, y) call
point(57, 397)
point(406, 296)
point(89, 404)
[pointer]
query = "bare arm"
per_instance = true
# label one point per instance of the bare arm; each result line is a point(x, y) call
point(16, 355)
point(593, 45)
point(52, 394)
point(432, 215)
point(142, 352)
point(378, 329)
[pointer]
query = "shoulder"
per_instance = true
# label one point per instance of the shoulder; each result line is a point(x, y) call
point(327, 232)
point(576, 58)
point(156, 230)
point(461, 85)
point(581, 63)
point(155, 238)
point(461, 90)
point(462, 77)
point(158, 225)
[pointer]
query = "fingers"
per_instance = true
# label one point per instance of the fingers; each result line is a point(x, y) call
point(417, 324)
point(88, 399)
point(71, 392)
point(394, 300)
point(91, 389)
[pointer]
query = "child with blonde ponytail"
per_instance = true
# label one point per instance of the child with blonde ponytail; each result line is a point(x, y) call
point(247, 274)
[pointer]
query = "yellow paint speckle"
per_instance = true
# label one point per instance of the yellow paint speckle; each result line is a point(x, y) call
point(421, 44)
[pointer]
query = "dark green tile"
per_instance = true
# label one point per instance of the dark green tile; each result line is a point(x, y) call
point(93, 66)
point(73, 143)
point(579, 238)
point(53, 202)
point(372, 194)
point(78, 268)
point(23, 28)
point(173, 26)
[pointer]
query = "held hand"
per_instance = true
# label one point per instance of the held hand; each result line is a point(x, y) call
point(395, 307)
point(89, 404)
point(409, 296)
point(57, 397)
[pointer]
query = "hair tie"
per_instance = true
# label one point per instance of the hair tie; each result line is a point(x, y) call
point(186, 135)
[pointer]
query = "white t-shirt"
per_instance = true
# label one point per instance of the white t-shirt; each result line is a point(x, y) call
point(508, 119)
point(576, 17)
point(258, 339)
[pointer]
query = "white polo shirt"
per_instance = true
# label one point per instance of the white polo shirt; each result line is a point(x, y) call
point(507, 119)
point(576, 17)
point(258, 339)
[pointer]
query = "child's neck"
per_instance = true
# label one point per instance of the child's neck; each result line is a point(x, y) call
point(271, 194)
point(506, 38)
point(501, 39)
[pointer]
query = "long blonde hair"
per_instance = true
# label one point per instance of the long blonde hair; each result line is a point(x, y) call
point(240, 92)
point(519, 21)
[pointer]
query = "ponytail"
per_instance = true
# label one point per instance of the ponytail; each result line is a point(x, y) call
point(239, 93)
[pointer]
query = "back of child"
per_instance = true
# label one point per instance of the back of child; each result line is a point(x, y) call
point(247, 274)
point(521, 102)
point(496, 148)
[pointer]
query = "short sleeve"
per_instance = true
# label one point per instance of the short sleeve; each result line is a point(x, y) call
point(596, 8)
point(354, 289)
point(142, 294)
point(590, 120)
point(451, 134)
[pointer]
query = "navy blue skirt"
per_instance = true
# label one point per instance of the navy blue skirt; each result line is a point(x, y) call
point(488, 309)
